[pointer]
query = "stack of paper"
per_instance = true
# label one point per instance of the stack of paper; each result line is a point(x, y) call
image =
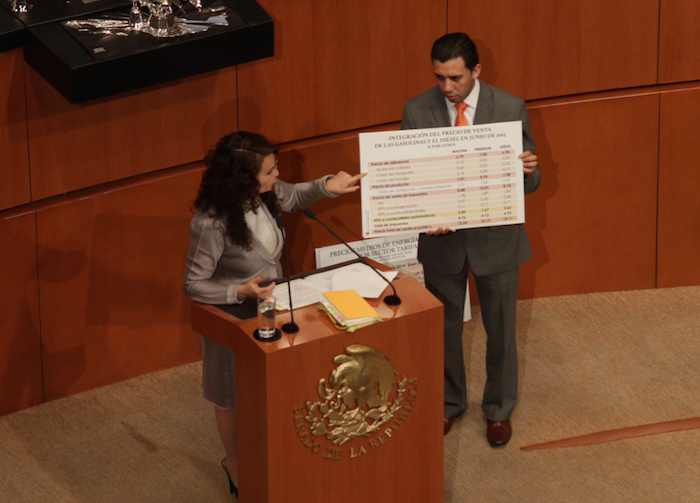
point(348, 308)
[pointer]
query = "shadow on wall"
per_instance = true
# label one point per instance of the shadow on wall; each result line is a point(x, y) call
point(489, 72)
point(60, 267)
point(299, 233)
point(20, 343)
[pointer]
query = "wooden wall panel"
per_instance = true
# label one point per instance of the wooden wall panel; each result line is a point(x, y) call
point(76, 146)
point(14, 164)
point(592, 222)
point(338, 66)
point(545, 48)
point(110, 275)
point(20, 347)
point(679, 179)
point(679, 38)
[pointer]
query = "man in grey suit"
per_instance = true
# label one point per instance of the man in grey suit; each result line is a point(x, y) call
point(492, 253)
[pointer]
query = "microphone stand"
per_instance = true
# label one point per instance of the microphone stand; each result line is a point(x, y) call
point(290, 327)
point(391, 299)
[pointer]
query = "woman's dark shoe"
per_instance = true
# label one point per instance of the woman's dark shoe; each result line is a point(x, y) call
point(232, 487)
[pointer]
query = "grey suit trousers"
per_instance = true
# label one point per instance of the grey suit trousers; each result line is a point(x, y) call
point(497, 299)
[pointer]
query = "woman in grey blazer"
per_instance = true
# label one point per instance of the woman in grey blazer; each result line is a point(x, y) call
point(235, 244)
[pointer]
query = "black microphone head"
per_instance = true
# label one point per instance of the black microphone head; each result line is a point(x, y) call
point(280, 221)
point(309, 213)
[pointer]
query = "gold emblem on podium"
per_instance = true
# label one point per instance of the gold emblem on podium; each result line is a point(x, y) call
point(357, 397)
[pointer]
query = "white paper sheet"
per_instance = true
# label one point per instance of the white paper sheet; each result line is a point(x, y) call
point(357, 276)
point(460, 177)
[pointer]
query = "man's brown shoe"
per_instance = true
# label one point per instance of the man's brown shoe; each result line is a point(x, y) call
point(498, 432)
point(448, 423)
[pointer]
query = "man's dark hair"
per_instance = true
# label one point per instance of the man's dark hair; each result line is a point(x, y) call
point(455, 45)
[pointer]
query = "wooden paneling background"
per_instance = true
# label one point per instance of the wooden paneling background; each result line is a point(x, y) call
point(110, 283)
point(679, 180)
point(679, 59)
point(592, 222)
point(545, 48)
point(76, 146)
point(95, 198)
point(339, 66)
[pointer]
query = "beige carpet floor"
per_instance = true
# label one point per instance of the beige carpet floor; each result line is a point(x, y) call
point(587, 363)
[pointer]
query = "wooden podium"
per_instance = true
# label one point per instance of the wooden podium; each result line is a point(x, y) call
point(281, 459)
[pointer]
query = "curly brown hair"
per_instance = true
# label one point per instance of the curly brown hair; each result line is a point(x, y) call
point(230, 185)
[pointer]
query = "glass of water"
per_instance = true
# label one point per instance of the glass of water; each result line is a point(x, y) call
point(266, 317)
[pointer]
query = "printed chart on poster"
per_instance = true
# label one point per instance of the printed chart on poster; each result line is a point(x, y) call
point(459, 177)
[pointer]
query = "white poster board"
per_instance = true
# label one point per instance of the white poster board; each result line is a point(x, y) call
point(459, 177)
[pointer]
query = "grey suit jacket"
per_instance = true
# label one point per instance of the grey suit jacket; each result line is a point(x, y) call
point(215, 267)
point(490, 249)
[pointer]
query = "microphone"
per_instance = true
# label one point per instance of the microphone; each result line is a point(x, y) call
point(390, 300)
point(290, 327)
